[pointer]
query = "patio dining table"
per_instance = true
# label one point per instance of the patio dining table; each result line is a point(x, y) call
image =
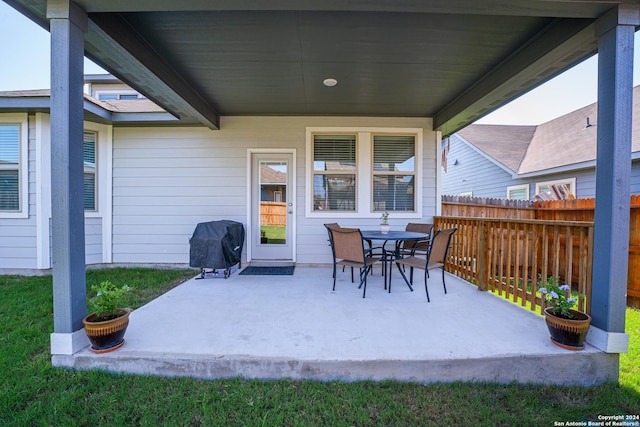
point(398, 237)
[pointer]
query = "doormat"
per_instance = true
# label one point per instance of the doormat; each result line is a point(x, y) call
point(268, 271)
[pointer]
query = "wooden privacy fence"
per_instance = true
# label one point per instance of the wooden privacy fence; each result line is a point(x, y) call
point(508, 256)
point(273, 213)
point(552, 210)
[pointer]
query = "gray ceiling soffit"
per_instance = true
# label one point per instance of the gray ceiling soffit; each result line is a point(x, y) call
point(536, 8)
point(115, 41)
point(540, 60)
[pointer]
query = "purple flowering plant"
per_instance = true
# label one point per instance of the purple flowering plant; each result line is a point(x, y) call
point(108, 300)
point(559, 297)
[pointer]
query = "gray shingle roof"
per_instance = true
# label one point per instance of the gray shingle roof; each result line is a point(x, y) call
point(120, 106)
point(563, 141)
point(505, 144)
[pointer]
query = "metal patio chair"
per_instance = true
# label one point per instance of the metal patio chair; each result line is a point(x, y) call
point(436, 258)
point(349, 251)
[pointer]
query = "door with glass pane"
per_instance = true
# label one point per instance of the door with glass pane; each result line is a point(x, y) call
point(272, 207)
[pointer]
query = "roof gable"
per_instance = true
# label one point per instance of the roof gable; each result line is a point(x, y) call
point(505, 144)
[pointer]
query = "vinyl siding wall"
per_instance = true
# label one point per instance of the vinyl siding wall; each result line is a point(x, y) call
point(477, 174)
point(473, 173)
point(165, 181)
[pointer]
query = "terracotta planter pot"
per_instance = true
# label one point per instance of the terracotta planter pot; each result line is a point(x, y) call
point(568, 333)
point(107, 335)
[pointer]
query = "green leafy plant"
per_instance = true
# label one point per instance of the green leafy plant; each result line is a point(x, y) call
point(559, 297)
point(384, 217)
point(109, 298)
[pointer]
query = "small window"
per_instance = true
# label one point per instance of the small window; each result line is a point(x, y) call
point(394, 173)
point(9, 167)
point(334, 173)
point(546, 187)
point(128, 97)
point(466, 194)
point(518, 192)
point(89, 155)
point(107, 96)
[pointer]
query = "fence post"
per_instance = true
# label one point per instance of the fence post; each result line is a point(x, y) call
point(483, 256)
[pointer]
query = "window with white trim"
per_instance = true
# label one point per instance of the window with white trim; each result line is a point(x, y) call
point(360, 172)
point(545, 187)
point(394, 173)
point(466, 194)
point(10, 167)
point(518, 192)
point(89, 157)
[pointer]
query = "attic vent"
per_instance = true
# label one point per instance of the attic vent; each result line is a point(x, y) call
point(588, 125)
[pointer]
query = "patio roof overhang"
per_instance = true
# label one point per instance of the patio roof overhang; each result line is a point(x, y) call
point(452, 61)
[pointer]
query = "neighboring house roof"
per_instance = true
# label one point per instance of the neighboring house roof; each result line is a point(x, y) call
point(271, 176)
point(135, 111)
point(505, 144)
point(566, 141)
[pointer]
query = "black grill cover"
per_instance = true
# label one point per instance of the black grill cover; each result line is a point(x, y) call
point(216, 244)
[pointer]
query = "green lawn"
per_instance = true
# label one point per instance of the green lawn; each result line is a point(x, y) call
point(32, 393)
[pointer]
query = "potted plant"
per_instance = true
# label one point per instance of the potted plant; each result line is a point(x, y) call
point(108, 321)
point(263, 237)
point(568, 327)
point(384, 226)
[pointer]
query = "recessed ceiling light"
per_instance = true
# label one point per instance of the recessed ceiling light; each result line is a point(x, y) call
point(330, 82)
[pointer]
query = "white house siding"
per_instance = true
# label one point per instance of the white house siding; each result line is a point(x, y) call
point(167, 180)
point(18, 235)
point(93, 240)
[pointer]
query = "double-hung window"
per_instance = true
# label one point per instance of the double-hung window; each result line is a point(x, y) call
point(334, 173)
point(89, 156)
point(10, 167)
point(394, 172)
point(362, 172)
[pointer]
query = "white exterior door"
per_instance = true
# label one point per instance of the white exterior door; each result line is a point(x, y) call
point(272, 207)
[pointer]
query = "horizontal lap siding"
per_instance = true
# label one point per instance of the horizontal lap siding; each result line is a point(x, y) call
point(93, 240)
point(473, 173)
point(165, 181)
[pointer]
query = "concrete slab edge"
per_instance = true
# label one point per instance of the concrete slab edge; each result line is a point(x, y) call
point(573, 368)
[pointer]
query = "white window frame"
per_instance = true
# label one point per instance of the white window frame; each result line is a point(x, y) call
point(22, 120)
point(524, 187)
point(466, 194)
point(364, 172)
point(570, 182)
point(94, 171)
point(116, 92)
point(104, 138)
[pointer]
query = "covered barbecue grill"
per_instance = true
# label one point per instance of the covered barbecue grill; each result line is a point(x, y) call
point(216, 245)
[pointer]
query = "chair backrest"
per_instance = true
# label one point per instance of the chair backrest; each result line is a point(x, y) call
point(347, 244)
point(329, 227)
point(440, 246)
point(420, 228)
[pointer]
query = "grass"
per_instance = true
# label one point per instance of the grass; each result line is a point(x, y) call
point(32, 393)
point(274, 233)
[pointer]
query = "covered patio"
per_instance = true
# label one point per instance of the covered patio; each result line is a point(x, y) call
point(263, 77)
point(295, 327)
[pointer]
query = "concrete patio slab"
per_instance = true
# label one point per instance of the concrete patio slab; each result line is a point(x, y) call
point(297, 327)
